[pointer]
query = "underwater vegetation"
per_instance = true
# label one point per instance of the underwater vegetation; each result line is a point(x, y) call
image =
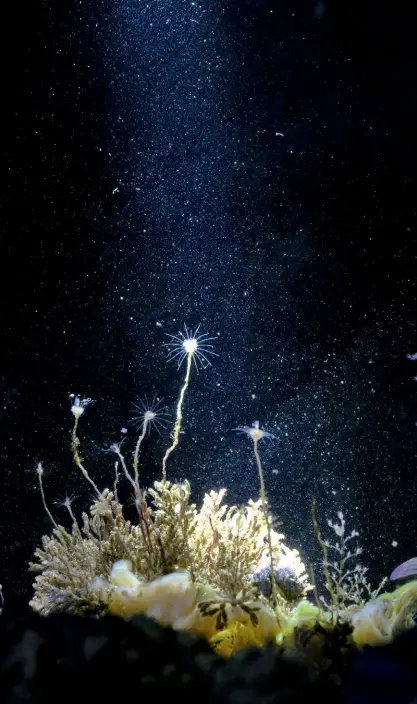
point(219, 572)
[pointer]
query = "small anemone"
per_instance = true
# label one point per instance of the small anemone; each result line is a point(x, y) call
point(150, 413)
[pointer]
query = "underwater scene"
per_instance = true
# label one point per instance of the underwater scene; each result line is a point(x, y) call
point(209, 361)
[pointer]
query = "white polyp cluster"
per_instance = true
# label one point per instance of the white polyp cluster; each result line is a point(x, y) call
point(79, 405)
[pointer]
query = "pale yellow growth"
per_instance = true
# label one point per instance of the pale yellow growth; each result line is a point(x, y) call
point(378, 621)
point(177, 601)
point(75, 443)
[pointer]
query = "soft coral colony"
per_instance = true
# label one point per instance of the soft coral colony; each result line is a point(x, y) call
point(219, 572)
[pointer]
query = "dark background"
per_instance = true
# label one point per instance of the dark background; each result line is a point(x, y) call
point(275, 205)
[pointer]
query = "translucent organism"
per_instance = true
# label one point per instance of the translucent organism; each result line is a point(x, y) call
point(151, 414)
point(79, 404)
point(191, 346)
point(255, 432)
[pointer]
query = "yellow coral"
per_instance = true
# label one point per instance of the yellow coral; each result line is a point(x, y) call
point(372, 624)
point(170, 600)
point(176, 601)
point(380, 619)
point(305, 616)
point(236, 637)
point(213, 616)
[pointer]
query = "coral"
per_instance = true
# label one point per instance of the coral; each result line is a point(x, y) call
point(218, 545)
point(176, 600)
point(197, 576)
point(69, 562)
point(219, 572)
point(190, 569)
point(236, 637)
point(380, 619)
point(346, 581)
point(207, 571)
point(187, 568)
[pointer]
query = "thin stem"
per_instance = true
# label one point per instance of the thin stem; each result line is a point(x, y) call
point(40, 472)
point(77, 459)
point(136, 452)
point(178, 421)
point(266, 516)
point(323, 546)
